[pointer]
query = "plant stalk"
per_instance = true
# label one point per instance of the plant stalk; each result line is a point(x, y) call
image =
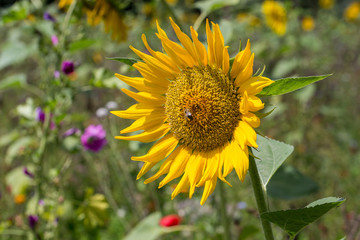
point(260, 197)
point(224, 215)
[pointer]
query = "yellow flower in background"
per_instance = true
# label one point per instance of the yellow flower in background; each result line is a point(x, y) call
point(326, 4)
point(248, 18)
point(275, 15)
point(308, 23)
point(113, 22)
point(199, 111)
point(64, 3)
point(352, 12)
point(19, 198)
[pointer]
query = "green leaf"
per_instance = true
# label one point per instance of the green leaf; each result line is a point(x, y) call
point(128, 61)
point(148, 228)
point(293, 221)
point(81, 44)
point(17, 180)
point(94, 210)
point(208, 6)
point(286, 85)
point(15, 52)
point(271, 154)
point(17, 148)
point(18, 11)
point(248, 232)
point(13, 81)
point(288, 183)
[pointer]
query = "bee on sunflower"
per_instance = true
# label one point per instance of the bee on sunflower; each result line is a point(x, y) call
point(200, 112)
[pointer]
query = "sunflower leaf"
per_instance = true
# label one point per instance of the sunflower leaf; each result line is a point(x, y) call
point(271, 155)
point(294, 220)
point(128, 61)
point(286, 85)
point(148, 228)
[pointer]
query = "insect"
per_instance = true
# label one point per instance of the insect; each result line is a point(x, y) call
point(188, 115)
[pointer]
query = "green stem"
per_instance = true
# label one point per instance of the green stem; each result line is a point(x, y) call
point(223, 210)
point(260, 197)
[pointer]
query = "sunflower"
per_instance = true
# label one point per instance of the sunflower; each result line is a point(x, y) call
point(275, 15)
point(352, 12)
point(199, 110)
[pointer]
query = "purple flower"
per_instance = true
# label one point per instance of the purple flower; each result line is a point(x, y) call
point(71, 131)
point(54, 40)
point(40, 116)
point(27, 173)
point(41, 202)
point(33, 220)
point(67, 67)
point(56, 74)
point(94, 138)
point(49, 17)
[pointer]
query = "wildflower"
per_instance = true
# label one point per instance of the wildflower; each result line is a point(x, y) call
point(27, 173)
point(308, 23)
point(326, 4)
point(201, 113)
point(40, 116)
point(241, 205)
point(64, 3)
point(352, 12)
point(275, 15)
point(33, 221)
point(94, 138)
point(67, 67)
point(104, 11)
point(19, 198)
point(49, 17)
point(170, 220)
point(111, 105)
point(101, 112)
point(54, 40)
point(56, 74)
point(71, 131)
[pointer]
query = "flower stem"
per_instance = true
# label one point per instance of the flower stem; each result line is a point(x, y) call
point(224, 216)
point(260, 197)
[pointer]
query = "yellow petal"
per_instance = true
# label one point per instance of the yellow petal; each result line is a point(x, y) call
point(147, 136)
point(142, 85)
point(255, 103)
point(226, 61)
point(160, 150)
point(152, 75)
point(178, 165)
point(177, 53)
point(254, 85)
point(155, 64)
point(194, 169)
point(237, 159)
point(211, 167)
point(210, 40)
point(249, 133)
point(163, 58)
point(145, 97)
point(246, 73)
point(244, 103)
point(218, 45)
point(226, 155)
point(182, 186)
point(200, 49)
point(165, 166)
point(208, 189)
point(240, 61)
point(145, 168)
point(251, 119)
point(184, 40)
point(154, 120)
point(137, 111)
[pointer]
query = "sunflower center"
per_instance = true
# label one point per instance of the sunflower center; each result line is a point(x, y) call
point(202, 108)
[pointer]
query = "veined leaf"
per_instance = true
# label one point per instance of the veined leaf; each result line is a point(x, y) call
point(288, 183)
point(271, 154)
point(293, 221)
point(128, 61)
point(286, 85)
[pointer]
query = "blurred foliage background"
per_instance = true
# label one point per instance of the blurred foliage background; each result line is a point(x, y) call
point(55, 186)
